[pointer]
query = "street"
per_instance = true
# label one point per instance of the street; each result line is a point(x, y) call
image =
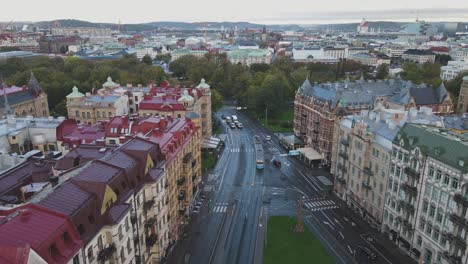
point(231, 224)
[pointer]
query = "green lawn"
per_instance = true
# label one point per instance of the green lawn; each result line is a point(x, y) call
point(285, 246)
point(275, 124)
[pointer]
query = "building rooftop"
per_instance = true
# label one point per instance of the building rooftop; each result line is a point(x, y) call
point(436, 143)
point(49, 233)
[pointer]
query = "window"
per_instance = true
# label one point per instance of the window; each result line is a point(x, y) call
point(76, 259)
point(122, 255)
point(81, 229)
point(77, 113)
point(446, 179)
point(99, 243)
point(103, 114)
point(431, 172)
point(91, 219)
point(455, 183)
point(439, 216)
point(120, 232)
point(405, 159)
point(127, 225)
point(66, 237)
point(90, 254)
point(83, 115)
point(432, 211)
point(98, 114)
point(419, 241)
point(435, 235)
point(425, 206)
point(110, 114)
point(435, 194)
point(429, 229)
point(400, 155)
point(438, 175)
point(129, 246)
point(53, 250)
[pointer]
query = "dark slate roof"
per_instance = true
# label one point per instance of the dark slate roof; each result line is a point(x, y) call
point(436, 143)
point(427, 95)
point(34, 86)
point(84, 154)
point(67, 199)
point(419, 52)
point(98, 171)
point(116, 213)
point(17, 98)
point(357, 93)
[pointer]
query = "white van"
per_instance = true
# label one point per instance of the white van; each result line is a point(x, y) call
point(234, 118)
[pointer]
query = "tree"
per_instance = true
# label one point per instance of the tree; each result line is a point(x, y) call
point(260, 67)
point(163, 57)
point(443, 59)
point(382, 72)
point(147, 60)
point(216, 100)
point(454, 85)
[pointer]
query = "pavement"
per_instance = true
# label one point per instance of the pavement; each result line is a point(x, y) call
point(231, 224)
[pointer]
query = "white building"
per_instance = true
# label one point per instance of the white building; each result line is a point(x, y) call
point(452, 69)
point(249, 56)
point(459, 54)
point(426, 199)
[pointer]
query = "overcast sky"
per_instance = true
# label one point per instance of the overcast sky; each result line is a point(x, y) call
point(260, 11)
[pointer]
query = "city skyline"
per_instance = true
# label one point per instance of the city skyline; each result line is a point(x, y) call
point(296, 12)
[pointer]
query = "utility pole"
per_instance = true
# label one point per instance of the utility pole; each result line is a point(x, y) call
point(299, 228)
point(266, 116)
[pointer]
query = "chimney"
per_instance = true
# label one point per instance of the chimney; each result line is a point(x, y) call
point(54, 180)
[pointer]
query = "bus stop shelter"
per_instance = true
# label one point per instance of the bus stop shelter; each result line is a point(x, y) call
point(310, 156)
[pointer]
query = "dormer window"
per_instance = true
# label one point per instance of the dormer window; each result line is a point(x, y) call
point(66, 237)
point(53, 250)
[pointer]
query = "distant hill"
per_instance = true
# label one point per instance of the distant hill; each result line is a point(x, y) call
point(349, 27)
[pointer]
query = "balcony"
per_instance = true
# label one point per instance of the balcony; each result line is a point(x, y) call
point(182, 210)
point(451, 258)
point(409, 208)
point(150, 222)
point(343, 155)
point(457, 240)
point(366, 185)
point(180, 181)
point(368, 171)
point(413, 191)
point(181, 196)
point(315, 131)
point(342, 168)
point(412, 173)
point(344, 142)
point(341, 179)
point(458, 220)
point(407, 225)
point(148, 204)
point(151, 240)
point(460, 199)
point(106, 253)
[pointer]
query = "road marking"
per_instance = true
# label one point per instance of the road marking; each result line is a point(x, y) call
point(328, 224)
point(341, 234)
point(350, 250)
point(375, 249)
point(323, 239)
point(327, 218)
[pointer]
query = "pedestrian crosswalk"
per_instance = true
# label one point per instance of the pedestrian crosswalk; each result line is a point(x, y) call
point(319, 204)
point(220, 208)
point(237, 150)
point(273, 149)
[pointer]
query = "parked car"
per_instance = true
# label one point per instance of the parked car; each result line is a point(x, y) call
point(223, 116)
point(233, 125)
point(277, 163)
point(268, 138)
point(368, 252)
point(239, 125)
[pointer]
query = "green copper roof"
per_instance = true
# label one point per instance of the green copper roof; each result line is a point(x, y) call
point(203, 84)
point(75, 93)
point(436, 144)
point(109, 83)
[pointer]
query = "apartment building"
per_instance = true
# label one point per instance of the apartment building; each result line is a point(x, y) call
point(34, 234)
point(29, 100)
point(419, 56)
point(178, 102)
point(249, 56)
point(453, 69)
point(463, 97)
point(361, 156)
point(91, 108)
point(426, 198)
point(318, 105)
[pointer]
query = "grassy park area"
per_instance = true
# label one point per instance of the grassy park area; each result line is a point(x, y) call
point(282, 124)
point(285, 246)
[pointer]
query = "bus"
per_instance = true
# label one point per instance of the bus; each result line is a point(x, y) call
point(260, 161)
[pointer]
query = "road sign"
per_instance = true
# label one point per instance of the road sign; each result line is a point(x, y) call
point(293, 152)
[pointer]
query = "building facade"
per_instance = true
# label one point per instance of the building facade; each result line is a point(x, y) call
point(463, 97)
point(425, 208)
point(419, 56)
point(24, 101)
point(318, 105)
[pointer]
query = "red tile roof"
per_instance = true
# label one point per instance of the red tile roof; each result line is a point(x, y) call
point(43, 230)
